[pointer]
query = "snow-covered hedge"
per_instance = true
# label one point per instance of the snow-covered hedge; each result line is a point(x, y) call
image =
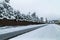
point(6, 11)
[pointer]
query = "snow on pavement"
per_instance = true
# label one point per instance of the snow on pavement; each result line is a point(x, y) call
point(49, 32)
point(4, 30)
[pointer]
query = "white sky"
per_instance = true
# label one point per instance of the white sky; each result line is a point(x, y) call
point(43, 8)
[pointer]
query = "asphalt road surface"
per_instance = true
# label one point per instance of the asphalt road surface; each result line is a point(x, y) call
point(6, 34)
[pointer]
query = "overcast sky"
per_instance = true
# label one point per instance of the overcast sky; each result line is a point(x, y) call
point(43, 8)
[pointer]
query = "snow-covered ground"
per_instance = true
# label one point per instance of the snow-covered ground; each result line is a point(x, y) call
point(6, 29)
point(50, 32)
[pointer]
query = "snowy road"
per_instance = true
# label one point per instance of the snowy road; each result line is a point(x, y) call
point(7, 33)
point(50, 32)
